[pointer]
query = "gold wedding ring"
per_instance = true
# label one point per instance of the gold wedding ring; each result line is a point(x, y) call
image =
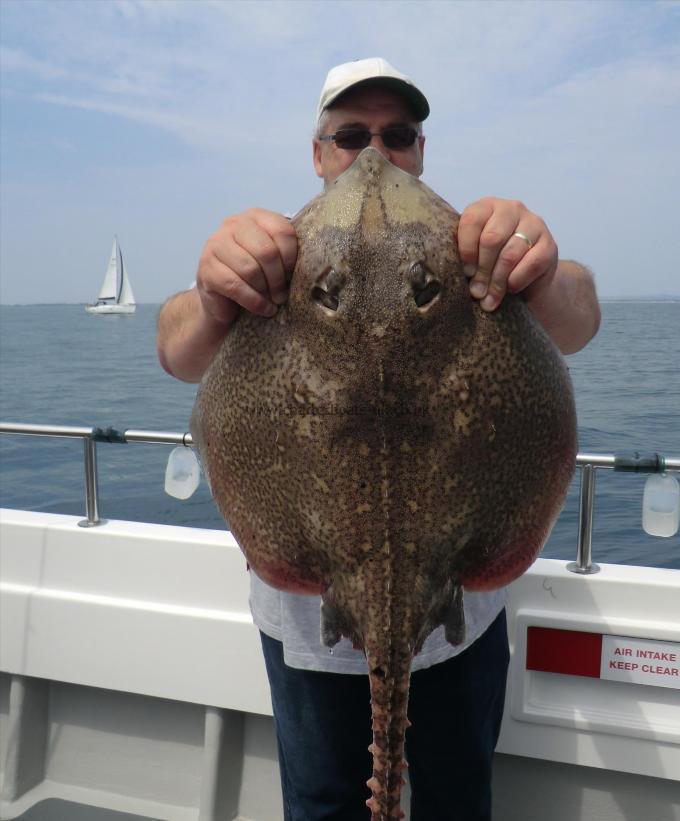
point(524, 237)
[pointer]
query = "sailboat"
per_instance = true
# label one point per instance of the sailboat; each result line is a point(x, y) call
point(115, 295)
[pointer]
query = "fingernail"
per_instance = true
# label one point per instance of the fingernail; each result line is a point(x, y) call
point(280, 297)
point(478, 289)
point(488, 303)
point(469, 270)
point(271, 310)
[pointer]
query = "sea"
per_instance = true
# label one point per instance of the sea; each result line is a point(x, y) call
point(62, 366)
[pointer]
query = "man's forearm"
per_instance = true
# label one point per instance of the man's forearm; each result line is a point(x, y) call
point(188, 337)
point(566, 306)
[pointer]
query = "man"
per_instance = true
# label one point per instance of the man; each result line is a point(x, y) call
point(320, 699)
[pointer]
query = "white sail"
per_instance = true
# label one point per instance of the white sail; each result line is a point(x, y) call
point(109, 289)
point(126, 297)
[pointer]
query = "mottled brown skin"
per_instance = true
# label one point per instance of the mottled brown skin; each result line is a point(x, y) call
point(383, 441)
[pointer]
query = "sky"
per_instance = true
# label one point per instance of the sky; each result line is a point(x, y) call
point(155, 119)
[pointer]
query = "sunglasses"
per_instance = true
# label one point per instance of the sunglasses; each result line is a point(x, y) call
point(396, 137)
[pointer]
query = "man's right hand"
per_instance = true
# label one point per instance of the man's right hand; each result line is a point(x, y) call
point(247, 263)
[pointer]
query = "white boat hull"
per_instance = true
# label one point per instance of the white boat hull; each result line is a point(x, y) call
point(131, 679)
point(110, 309)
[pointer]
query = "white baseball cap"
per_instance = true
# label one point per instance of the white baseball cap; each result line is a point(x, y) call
point(373, 70)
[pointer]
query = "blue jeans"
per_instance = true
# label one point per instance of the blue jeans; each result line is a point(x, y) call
point(323, 726)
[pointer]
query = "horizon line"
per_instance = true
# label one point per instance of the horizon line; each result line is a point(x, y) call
point(608, 298)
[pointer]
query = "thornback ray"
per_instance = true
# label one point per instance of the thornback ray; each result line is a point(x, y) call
point(383, 441)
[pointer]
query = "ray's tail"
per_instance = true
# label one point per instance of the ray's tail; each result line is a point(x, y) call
point(389, 681)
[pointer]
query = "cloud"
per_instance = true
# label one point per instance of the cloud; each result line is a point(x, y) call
point(191, 68)
point(192, 129)
point(220, 63)
point(18, 62)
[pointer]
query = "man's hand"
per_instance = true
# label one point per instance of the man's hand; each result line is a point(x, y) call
point(246, 263)
point(497, 261)
point(560, 293)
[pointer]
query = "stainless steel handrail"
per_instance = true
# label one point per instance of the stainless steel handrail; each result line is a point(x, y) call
point(90, 437)
point(588, 462)
point(159, 437)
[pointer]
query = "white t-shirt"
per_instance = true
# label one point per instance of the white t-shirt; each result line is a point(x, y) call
point(295, 620)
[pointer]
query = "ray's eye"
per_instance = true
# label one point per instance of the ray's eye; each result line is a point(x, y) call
point(328, 300)
point(326, 291)
point(425, 287)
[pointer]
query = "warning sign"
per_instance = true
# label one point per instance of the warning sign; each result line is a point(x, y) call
point(641, 661)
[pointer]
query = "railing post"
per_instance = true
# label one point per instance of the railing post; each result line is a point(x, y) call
point(91, 484)
point(584, 551)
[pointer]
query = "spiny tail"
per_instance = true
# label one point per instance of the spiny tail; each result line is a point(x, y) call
point(389, 683)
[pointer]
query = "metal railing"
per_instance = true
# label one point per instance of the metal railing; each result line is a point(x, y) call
point(90, 437)
point(589, 463)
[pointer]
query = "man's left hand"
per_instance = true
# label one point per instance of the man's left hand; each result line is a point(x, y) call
point(497, 260)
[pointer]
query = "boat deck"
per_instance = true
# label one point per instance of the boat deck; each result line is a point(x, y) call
point(132, 685)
